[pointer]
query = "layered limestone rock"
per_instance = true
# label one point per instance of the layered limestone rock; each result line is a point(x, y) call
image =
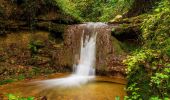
point(109, 54)
point(33, 14)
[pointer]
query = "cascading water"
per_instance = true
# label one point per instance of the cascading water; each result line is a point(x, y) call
point(84, 71)
point(81, 39)
point(86, 63)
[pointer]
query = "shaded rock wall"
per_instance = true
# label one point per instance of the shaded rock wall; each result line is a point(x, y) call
point(24, 52)
point(33, 14)
point(128, 30)
point(59, 53)
point(18, 49)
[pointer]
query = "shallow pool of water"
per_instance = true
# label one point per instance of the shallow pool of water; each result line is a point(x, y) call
point(102, 88)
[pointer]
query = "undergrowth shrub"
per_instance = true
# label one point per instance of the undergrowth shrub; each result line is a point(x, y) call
point(148, 69)
point(148, 75)
point(34, 46)
point(68, 7)
point(16, 97)
point(94, 10)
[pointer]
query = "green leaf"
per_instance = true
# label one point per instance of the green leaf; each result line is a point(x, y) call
point(12, 97)
point(117, 98)
point(30, 98)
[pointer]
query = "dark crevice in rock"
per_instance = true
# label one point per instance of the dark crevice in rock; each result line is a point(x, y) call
point(58, 35)
point(126, 35)
point(128, 30)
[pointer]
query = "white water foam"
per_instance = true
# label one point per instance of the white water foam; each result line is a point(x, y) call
point(85, 69)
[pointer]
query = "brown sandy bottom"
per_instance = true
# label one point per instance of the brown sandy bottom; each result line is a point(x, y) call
point(102, 88)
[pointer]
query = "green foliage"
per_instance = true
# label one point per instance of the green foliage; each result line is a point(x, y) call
point(159, 78)
point(21, 77)
point(69, 7)
point(157, 98)
point(137, 75)
point(1, 11)
point(160, 81)
point(109, 9)
point(34, 46)
point(6, 81)
point(139, 57)
point(26, 72)
point(12, 79)
point(154, 98)
point(147, 72)
point(149, 67)
point(14, 97)
point(156, 27)
point(117, 98)
point(134, 95)
point(94, 10)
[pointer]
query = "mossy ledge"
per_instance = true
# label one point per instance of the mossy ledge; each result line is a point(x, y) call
point(38, 15)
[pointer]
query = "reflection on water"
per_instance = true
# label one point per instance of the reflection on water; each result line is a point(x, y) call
point(100, 89)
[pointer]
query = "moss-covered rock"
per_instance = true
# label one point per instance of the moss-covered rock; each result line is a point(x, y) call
point(128, 30)
point(53, 27)
point(32, 15)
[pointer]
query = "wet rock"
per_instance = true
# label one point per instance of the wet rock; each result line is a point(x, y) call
point(108, 48)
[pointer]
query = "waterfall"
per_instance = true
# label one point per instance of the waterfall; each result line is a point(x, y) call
point(84, 70)
point(87, 59)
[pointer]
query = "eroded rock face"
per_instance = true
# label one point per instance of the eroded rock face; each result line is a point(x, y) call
point(33, 14)
point(17, 49)
point(109, 54)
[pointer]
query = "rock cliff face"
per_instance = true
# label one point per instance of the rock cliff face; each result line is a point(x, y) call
point(109, 53)
point(58, 46)
point(33, 14)
point(39, 49)
point(23, 50)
